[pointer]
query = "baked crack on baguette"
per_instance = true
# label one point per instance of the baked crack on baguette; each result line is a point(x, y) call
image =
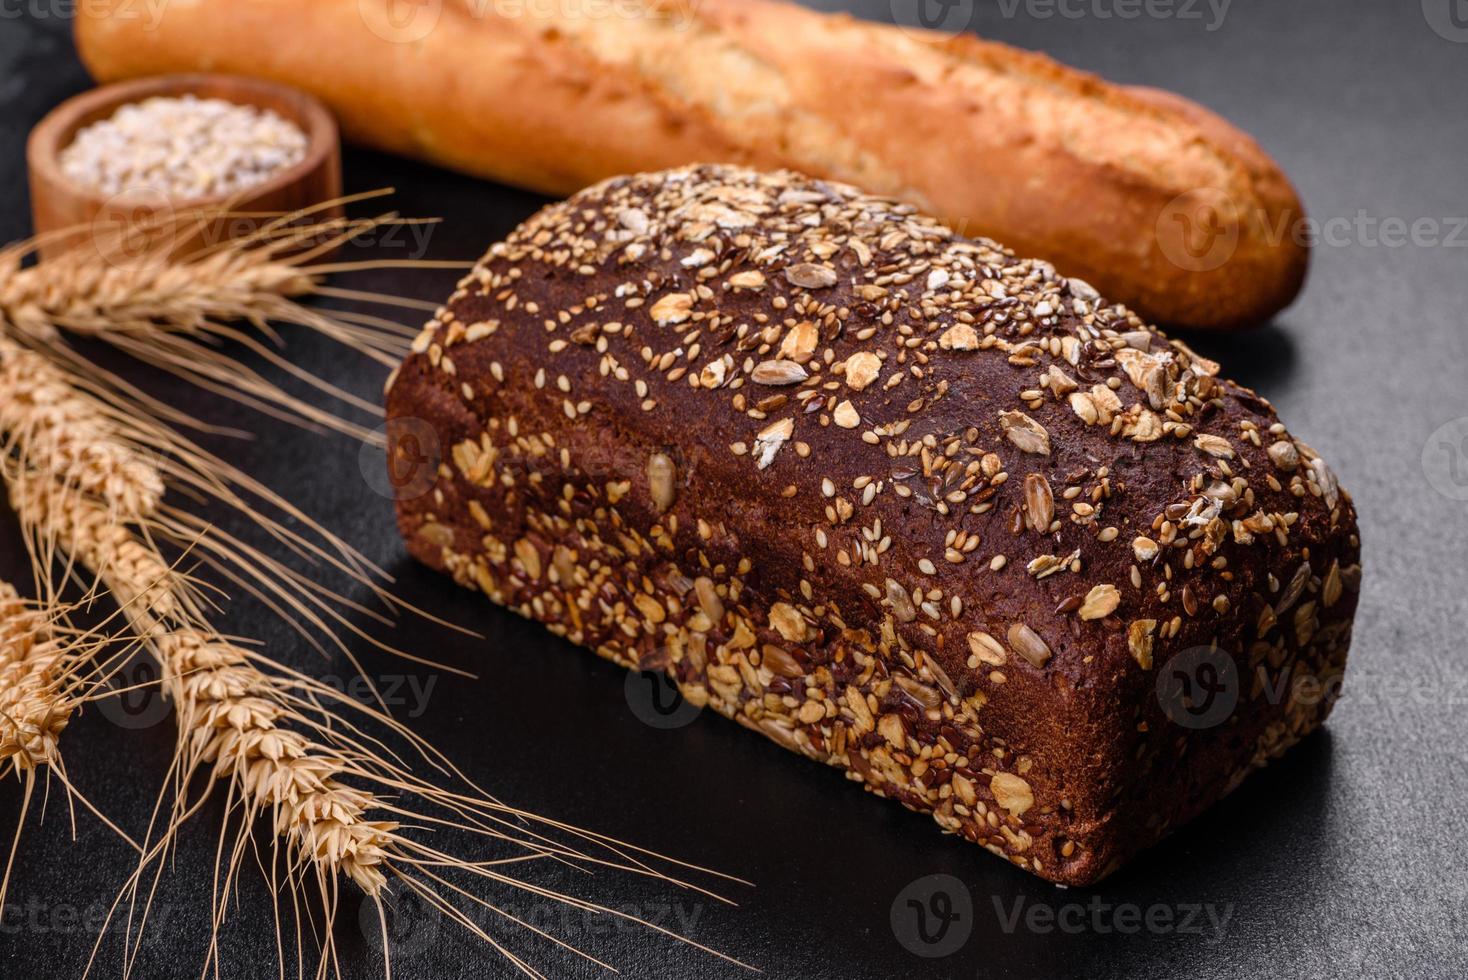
point(1159, 202)
point(899, 500)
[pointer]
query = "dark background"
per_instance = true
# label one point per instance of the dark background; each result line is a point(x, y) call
point(1346, 859)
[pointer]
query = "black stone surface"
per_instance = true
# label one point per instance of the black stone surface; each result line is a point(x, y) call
point(1345, 860)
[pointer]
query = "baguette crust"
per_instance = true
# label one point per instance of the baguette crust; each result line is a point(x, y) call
point(1159, 202)
point(943, 517)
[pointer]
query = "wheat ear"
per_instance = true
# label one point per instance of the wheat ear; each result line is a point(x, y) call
point(279, 743)
point(226, 716)
point(47, 670)
point(281, 747)
point(78, 478)
point(34, 707)
point(170, 310)
point(99, 439)
point(53, 428)
point(53, 431)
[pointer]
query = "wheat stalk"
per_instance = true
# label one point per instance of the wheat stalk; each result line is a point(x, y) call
point(170, 311)
point(226, 717)
point(33, 708)
point(271, 738)
point(47, 671)
point(88, 459)
point(103, 441)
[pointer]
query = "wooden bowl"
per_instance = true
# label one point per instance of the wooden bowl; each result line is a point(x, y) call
point(66, 212)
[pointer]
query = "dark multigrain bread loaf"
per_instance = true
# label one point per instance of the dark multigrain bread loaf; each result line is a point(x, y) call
point(901, 501)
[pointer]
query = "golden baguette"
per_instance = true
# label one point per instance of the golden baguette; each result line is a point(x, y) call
point(1156, 201)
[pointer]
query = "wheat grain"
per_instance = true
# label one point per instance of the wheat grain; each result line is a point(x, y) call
point(183, 146)
point(41, 688)
point(56, 429)
point(34, 705)
point(229, 717)
point(33, 710)
point(237, 724)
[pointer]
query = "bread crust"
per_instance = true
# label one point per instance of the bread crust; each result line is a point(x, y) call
point(1160, 203)
point(893, 497)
